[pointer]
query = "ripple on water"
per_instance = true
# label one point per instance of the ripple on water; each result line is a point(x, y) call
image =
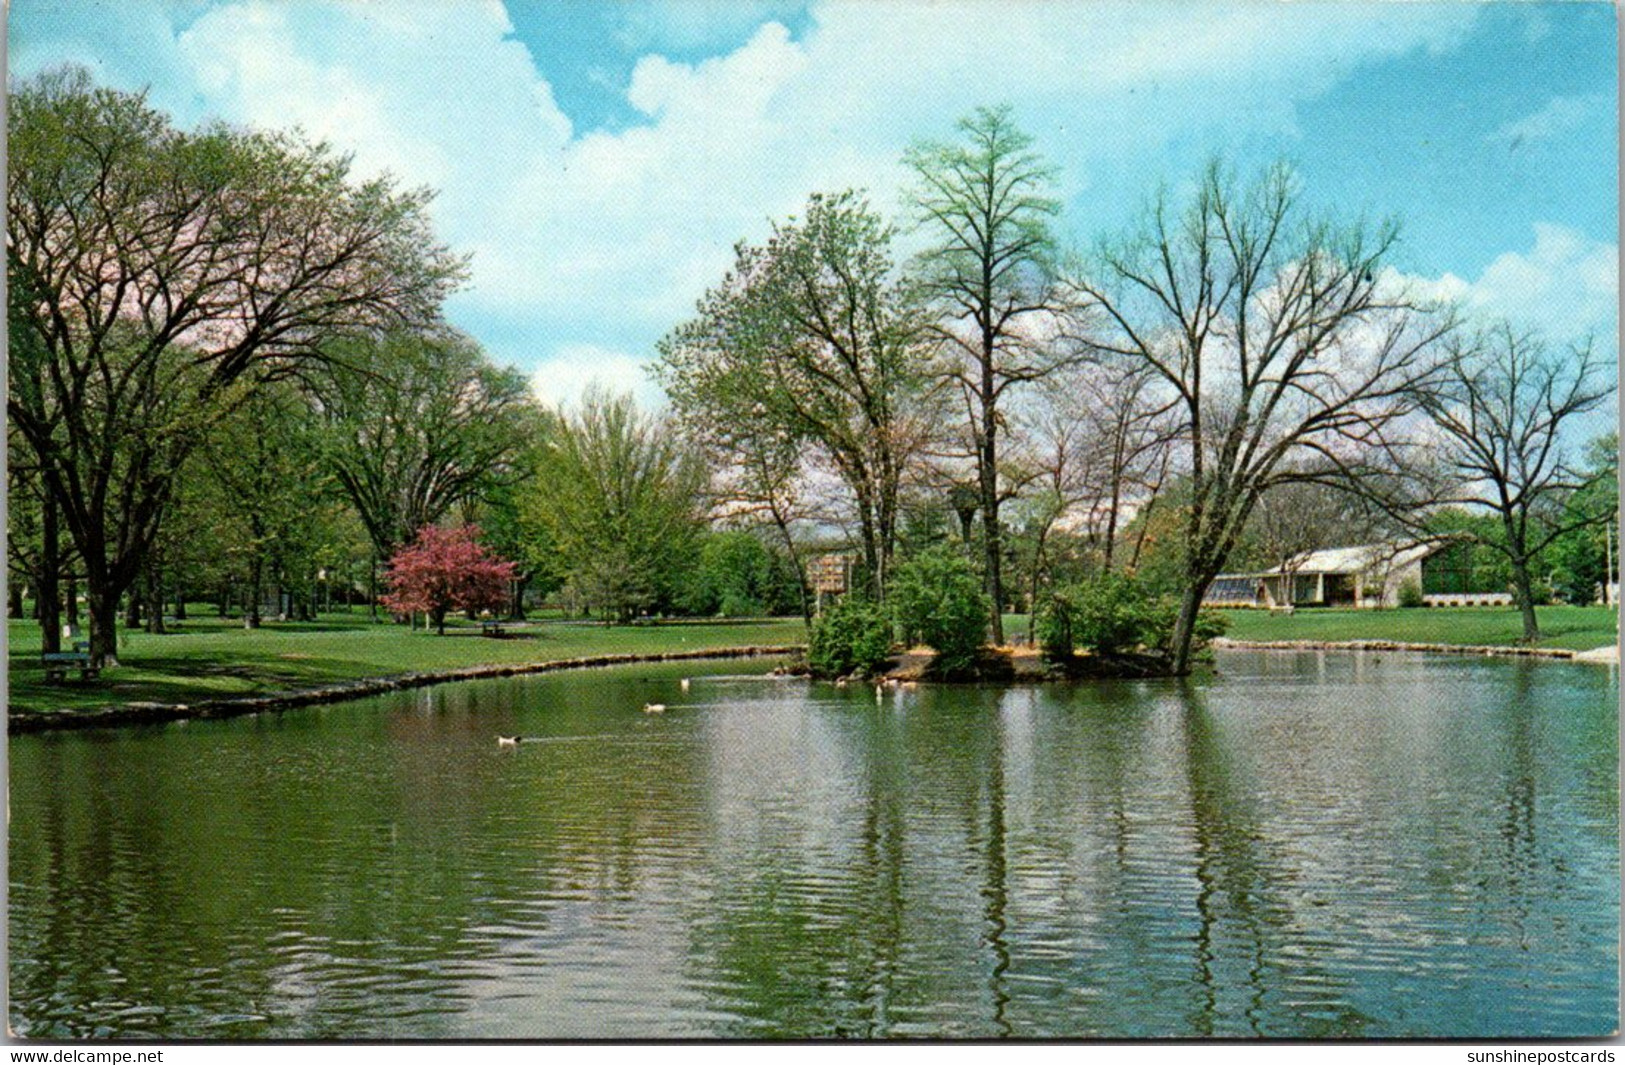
point(1303, 846)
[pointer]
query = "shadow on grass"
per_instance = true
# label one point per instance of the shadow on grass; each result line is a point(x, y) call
point(176, 680)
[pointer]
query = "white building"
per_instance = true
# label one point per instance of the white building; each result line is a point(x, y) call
point(1369, 575)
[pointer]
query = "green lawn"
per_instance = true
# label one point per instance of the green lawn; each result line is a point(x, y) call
point(1578, 628)
point(210, 659)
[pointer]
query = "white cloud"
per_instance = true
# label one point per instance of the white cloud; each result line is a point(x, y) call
point(566, 376)
point(1561, 113)
point(606, 239)
point(1566, 286)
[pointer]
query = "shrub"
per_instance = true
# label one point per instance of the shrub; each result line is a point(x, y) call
point(1410, 594)
point(1053, 625)
point(1210, 625)
point(1112, 614)
point(852, 636)
point(937, 599)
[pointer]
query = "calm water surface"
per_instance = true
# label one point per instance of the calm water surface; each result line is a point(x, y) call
point(1303, 845)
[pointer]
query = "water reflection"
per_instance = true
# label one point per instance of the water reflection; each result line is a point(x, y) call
point(1306, 845)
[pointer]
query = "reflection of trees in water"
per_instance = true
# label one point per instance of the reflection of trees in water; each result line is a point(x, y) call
point(905, 929)
point(264, 867)
point(1520, 853)
point(995, 888)
point(173, 907)
point(881, 880)
point(1105, 859)
point(1244, 902)
point(796, 940)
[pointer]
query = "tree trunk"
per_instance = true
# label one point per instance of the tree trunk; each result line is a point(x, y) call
point(967, 518)
point(988, 476)
point(1032, 587)
point(50, 601)
point(1524, 585)
point(1111, 525)
point(372, 586)
point(14, 600)
point(180, 603)
point(132, 610)
point(70, 600)
point(103, 626)
point(251, 611)
point(1190, 603)
point(871, 546)
point(153, 596)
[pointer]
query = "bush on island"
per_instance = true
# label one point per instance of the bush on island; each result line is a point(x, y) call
point(1112, 614)
point(937, 599)
point(1053, 625)
point(852, 636)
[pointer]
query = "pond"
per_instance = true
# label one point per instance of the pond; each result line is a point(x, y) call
point(1304, 844)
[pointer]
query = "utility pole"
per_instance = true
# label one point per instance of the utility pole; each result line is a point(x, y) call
point(1608, 563)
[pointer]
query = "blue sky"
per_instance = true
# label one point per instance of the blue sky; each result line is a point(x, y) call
point(599, 160)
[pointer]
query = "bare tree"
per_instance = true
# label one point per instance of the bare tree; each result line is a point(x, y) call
point(1062, 452)
point(985, 203)
point(1507, 408)
point(1296, 518)
point(1287, 351)
point(1128, 420)
point(757, 473)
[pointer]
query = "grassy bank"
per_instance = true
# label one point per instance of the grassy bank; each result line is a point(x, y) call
point(208, 659)
point(1578, 628)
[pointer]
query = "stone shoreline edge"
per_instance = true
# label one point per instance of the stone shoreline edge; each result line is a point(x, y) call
point(1609, 654)
point(238, 706)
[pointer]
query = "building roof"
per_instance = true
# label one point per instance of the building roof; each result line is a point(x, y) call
point(1359, 559)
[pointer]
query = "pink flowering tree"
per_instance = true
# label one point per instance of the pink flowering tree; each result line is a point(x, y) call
point(446, 569)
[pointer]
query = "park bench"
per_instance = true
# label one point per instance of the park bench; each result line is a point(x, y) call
point(57, 663)
point(492, 627)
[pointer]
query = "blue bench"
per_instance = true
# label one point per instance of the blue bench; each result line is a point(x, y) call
point(491, 628)
point(57, 663)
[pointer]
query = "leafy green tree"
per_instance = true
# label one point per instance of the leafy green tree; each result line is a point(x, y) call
point(1586, 557)
point(810, 340)
point(620, 495)
point(984, 201)
point(1110, 613)
point(266, 461)
point(739, 576)
point(420, 422)
point(498, 508)
point(164, 275)
point(937, 599)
